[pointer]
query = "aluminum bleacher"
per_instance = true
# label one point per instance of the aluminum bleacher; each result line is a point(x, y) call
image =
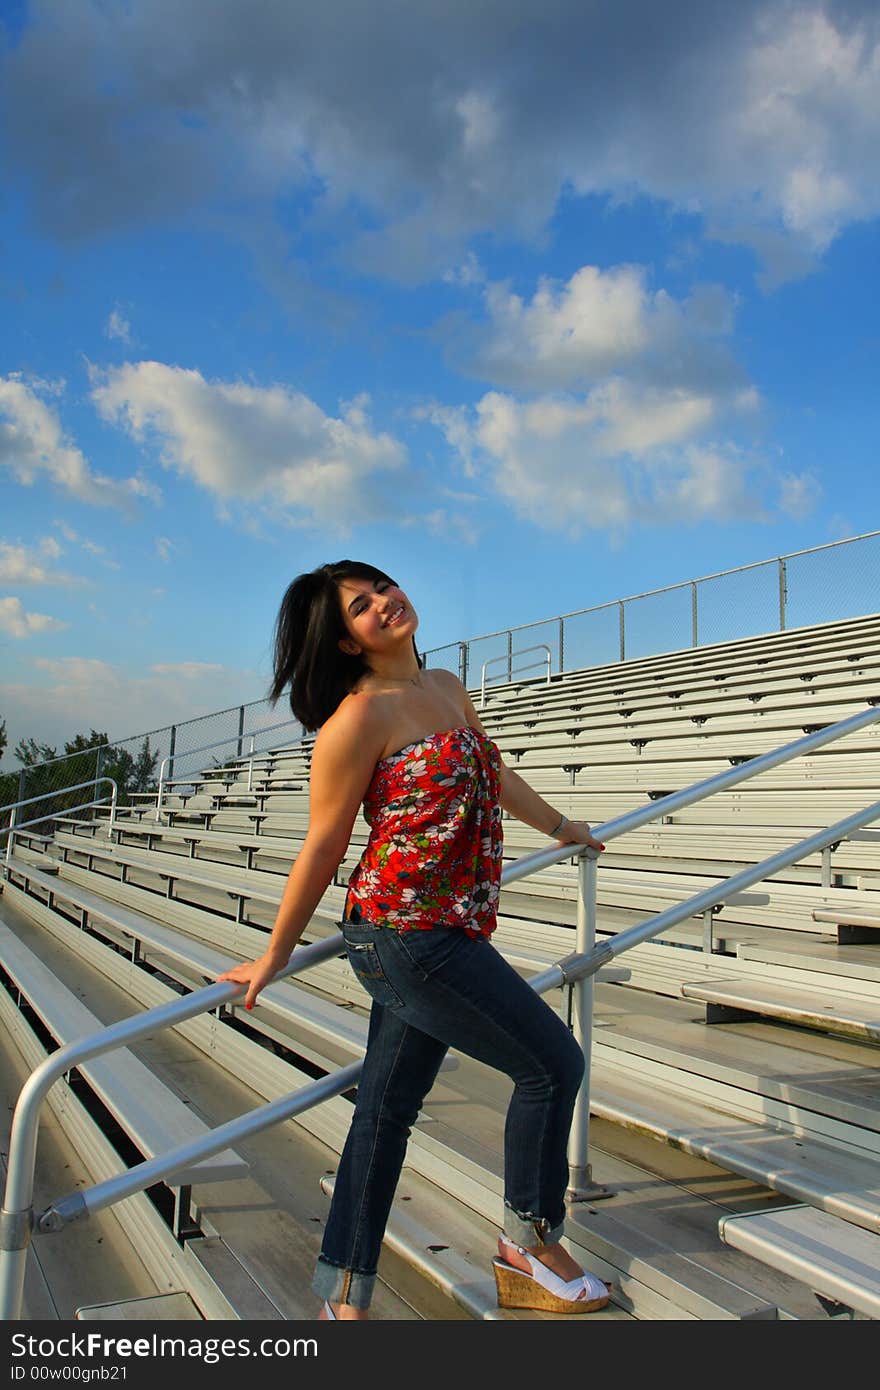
point(751, 1064)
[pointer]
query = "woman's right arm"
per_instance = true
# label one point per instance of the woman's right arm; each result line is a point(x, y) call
point(343, 760)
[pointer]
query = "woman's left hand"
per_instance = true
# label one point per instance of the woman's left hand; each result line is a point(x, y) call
point(576, 832)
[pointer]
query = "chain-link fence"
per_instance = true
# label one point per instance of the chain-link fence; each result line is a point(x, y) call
point(824, 584)
point(137, 765)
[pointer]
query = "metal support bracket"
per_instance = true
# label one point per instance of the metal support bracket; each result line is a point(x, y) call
point(186, 1225)
point(61, 1213)
point(599, 956)
point(15, 1229)
point(582, 1188)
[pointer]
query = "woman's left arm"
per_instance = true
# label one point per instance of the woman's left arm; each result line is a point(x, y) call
point(523, 802)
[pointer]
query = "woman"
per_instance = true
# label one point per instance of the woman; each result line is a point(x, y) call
point(407, 744)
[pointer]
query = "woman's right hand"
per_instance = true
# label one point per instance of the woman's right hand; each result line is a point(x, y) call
point(256, 974)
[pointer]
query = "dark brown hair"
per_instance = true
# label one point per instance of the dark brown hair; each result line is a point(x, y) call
point(307, 636)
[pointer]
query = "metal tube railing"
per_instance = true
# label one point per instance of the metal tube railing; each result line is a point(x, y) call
point(15, 825)
point(16, 1219)
point(689, 796)
point(507, 660)
point(621, 603)
point(218, 743)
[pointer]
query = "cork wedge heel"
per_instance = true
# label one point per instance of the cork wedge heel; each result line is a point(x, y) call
point(544, 1290)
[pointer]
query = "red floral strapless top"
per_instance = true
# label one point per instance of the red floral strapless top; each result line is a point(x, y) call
point(434, 853)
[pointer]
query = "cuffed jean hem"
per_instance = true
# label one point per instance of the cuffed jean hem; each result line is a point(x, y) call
point(530, 1230)
point(338, 1285)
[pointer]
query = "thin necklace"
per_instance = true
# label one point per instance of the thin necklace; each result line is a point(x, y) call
point(404, 680)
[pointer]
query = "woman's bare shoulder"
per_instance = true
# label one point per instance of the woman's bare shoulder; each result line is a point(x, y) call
point(444, 680)
point(359, 721)
point(447, 684)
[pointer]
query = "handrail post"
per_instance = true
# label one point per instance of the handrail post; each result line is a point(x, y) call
point(251, 763)
point(161, 788)
point(561, 645)
point(581, 1187)
point(783, 592)
point(621, 605)
point(9, 838)
point(99, 764)
point(695, 636)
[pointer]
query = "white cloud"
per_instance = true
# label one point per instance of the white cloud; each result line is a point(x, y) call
point(266, 445)
point(101, 553)
point(598, 325)
point(799, 494)
point(22, 564)
point(74, 693)
point(567, 334)
point(455, 527)
point(91, 547)
point(630, 396)
point(455, 423)
point(18, 623)
point(33, 447)
point(118, 327)
point(618, 455)
point(165, 548)
point(782, 258)
point(188, 670)
point(445, 121)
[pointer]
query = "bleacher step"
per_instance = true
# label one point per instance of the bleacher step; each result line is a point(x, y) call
point(812, 1008)
point(152, 1116)
point(825, 955)
point(845, 1184)
point(161, 1307)
point(837, 1260)
point(780, 1074)
point(452, 1246)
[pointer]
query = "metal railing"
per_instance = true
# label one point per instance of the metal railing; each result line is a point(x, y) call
point(15, 825)
point(574, 972)
point(170, 759)
point(138, 754)
point(780, 592)
point(508, 662)
point(593, 636)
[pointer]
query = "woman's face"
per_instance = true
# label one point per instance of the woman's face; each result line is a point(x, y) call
point(377, 614)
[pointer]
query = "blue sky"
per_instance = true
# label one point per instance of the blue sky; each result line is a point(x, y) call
point(533, 305)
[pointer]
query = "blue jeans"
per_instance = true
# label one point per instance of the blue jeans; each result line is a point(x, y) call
point(432, 990)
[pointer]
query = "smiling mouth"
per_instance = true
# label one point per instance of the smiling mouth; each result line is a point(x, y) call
point(395, 616)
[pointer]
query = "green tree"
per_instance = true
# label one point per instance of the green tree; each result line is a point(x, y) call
point(8, 780)
point(144, 774)
point(29, 752)
point(90, 756)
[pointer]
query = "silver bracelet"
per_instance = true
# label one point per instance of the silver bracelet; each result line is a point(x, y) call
point(563, 821)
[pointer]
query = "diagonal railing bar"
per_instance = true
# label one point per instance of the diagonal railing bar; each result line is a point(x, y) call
point(16, 825)
point(579, 965)
point(222, 743)
point(164, 1166)
point(576, 971)
point(698, 791)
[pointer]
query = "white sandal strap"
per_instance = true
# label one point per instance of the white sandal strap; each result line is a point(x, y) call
point(586, 1285)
